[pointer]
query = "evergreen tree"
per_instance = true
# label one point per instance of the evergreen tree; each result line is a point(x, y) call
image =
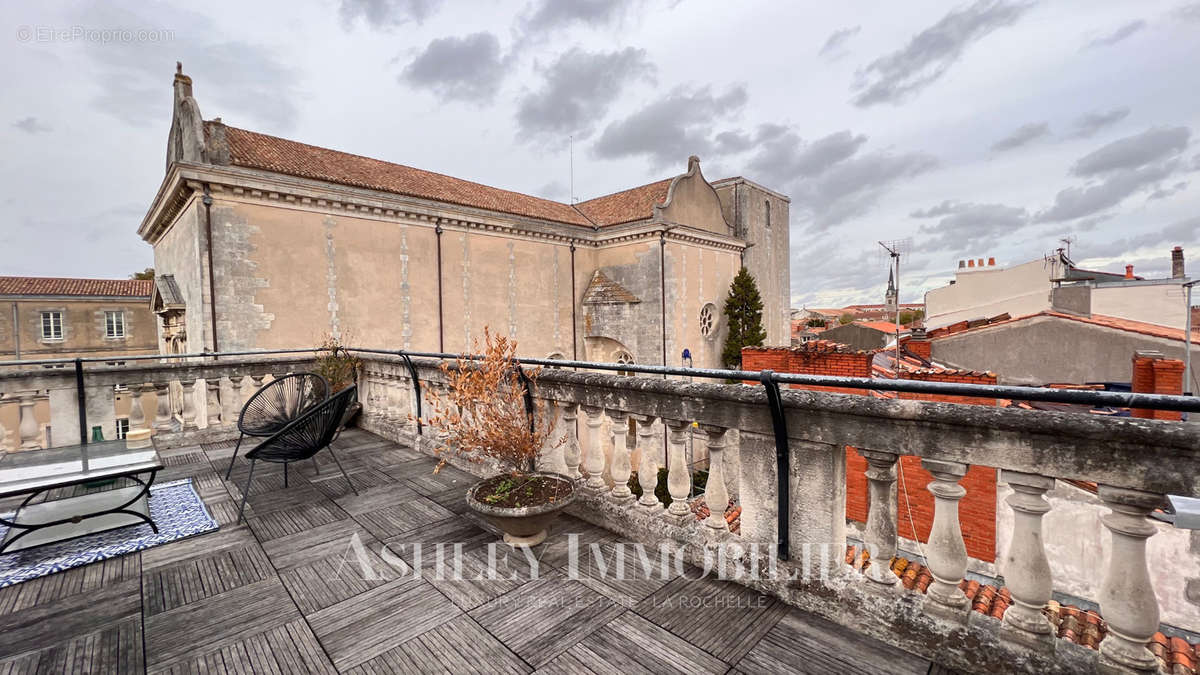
point(743, 316)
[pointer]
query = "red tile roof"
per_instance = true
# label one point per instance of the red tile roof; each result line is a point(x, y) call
point(1117, 323)
point(626, 206)
point(132, 288)
point(885, 326)
point(259, 151)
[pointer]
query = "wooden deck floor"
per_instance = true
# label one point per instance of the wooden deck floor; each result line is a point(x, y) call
point(287, 592)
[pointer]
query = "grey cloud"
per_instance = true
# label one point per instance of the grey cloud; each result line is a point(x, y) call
point(551, 14)
point(31, 125)
point(1023, 135)
point(668, 130)
point(852, 188)
point(1164, 193)
point(235, 79)
point(577, 92)
point(1189, 12)
point(966, 224)
point(1077, 202)
point(898, 76)
point(387, 13)
point(1086, 126)
point(789, 155)
point(1134, 151)
point(1117, 35)
point(733, 142)
point(467, 68)
point(837, 40)
point(1180, 232)
point(556, 190)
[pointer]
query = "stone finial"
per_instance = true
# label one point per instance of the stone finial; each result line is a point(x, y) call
point(693, 163)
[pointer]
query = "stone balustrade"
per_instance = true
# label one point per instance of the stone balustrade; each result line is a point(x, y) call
point(180, 403)
point(1135, 462)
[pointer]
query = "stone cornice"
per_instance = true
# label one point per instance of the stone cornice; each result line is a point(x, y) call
point(250, 185)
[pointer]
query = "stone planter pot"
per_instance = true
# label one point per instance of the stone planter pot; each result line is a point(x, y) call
point(526, 525)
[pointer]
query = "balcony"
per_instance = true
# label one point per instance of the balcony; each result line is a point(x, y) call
point(274, 593)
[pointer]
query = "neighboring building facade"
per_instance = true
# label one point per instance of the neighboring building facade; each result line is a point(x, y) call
point(263, 242)
point(55, 318)
point(1056, 283)
point(862, 335)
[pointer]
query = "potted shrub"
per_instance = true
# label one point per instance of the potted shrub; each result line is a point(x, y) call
point(340, 368)
point(482, 417)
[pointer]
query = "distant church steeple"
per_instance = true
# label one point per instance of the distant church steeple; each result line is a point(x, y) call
point(891, 299)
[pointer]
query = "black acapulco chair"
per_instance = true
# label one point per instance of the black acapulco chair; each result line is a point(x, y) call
point(302, 439)
point(274, 406)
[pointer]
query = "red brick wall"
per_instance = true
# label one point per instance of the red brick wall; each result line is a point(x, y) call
point(977, 510)
point(1157, 375)
point(922, 348)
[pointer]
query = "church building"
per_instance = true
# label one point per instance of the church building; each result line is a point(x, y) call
point(266, 243)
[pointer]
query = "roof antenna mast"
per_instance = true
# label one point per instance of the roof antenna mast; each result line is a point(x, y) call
point(571, 153)
point(897, 248)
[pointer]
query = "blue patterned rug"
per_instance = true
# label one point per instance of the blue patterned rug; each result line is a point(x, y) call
point(175, 507)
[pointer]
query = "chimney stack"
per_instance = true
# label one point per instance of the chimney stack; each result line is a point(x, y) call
point(1129, 271)
point(1177, 263)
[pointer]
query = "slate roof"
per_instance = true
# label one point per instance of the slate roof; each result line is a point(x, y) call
point(601, 291)
point(168, 290)
point(132, 288)
point(253, 150)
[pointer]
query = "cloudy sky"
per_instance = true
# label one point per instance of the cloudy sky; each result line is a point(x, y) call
point(977, 129)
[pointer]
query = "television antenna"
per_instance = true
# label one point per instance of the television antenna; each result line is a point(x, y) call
point(571, 155)
point(1066, 242)
point(896, 249)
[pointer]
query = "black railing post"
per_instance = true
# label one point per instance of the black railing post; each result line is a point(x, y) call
point(412, 370)
point(81, 397)
point(527, 384)
point(782, 459)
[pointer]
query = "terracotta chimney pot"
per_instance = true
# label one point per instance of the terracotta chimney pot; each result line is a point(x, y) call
point(1129, 271)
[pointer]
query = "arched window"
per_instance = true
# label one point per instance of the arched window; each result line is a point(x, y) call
point(624, 357)
point(556, 356)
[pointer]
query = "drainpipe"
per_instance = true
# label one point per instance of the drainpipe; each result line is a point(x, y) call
point(662, 273)
point(574, 334)
point(441, 325)
point(16, 332)
point(212, 289)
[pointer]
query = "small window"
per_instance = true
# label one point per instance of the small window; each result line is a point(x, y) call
point(624, 358)
point(114, 324)
point(122, 428)
point(52, 326)
point(708, 319)
point(767, 204)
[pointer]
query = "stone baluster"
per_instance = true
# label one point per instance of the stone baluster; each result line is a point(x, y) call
point(621, 467)
point(189, 404)
point(554, 448)
point(213, 401)
point(257, 381)
point(880, 533)
point(1025, 567)
point(946, 551)
point(372, 395)
point(1127, 598)
point(137, 415)
point(571, 452)
point(679, 479)
point(594, 463)
point(648, 465)
point(394, 412)
point(237, 398)
point(162, 415)
point(716, 496)
point(28, 426)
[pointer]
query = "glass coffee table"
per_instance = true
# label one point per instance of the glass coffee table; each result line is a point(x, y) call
point(34, 472)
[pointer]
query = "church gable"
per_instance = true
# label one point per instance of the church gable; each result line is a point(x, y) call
point(693, 202)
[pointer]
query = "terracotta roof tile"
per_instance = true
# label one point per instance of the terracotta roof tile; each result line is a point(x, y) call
point(260, 151)
point(1117, 323)
point(626, 206)
point(1081, 626)
point(132, 288)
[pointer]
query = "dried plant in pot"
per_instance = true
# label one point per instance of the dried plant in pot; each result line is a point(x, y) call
point(482, 417)
point(340, 368)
